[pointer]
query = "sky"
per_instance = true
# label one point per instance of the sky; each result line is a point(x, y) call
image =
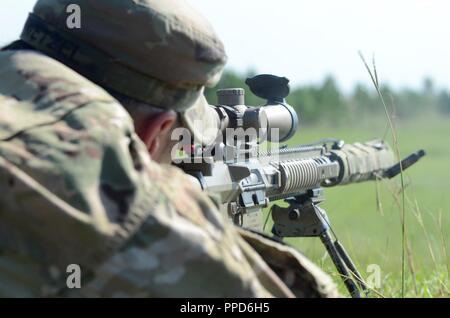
point(308, 40)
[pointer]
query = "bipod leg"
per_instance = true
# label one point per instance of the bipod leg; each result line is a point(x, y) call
point(350, 265)
point(340, 264)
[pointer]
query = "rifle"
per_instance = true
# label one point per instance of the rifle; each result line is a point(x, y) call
point(246, 179)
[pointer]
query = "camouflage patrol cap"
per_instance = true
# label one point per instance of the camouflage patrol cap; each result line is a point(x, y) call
point(158, 52)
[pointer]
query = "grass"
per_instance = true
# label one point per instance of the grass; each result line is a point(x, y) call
point(368, 216)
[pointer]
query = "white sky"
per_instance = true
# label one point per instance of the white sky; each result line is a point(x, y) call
point(306, 40)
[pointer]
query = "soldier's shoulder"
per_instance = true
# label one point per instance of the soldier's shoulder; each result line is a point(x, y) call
point(38, 91)
point(23, 64)
point(42, 82)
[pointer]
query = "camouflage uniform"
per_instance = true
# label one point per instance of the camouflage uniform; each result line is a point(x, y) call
point(78, 186)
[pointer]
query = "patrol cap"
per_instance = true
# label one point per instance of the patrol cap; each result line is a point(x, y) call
point(158, 52)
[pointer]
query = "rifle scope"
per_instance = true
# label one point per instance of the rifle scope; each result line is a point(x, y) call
point(276, 121)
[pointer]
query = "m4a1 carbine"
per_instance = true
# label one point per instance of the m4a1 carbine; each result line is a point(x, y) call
point(246, 178)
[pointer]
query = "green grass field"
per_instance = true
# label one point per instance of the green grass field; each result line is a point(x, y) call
point(371, 229)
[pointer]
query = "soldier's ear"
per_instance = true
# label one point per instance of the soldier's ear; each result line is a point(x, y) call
point(154, 132)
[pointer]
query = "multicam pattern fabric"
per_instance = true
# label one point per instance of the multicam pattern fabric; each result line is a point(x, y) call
point(78, 187)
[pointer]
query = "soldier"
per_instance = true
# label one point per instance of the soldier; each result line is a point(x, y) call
point(86, 114)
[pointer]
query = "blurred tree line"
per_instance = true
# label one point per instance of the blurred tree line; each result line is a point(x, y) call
point(325, 102)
